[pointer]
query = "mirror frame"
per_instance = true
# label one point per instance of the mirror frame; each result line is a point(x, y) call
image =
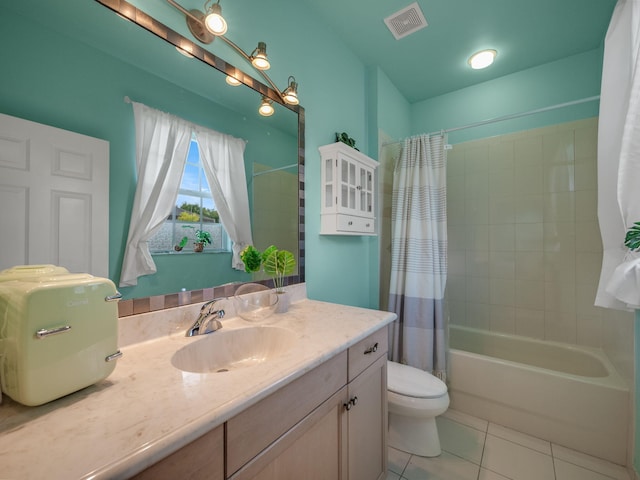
point(140, 18)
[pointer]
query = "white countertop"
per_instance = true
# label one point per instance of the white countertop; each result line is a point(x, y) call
point(146, 408)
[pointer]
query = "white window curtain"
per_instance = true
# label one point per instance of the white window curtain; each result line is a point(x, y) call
point(619, 157)
point(162, 145)
point(223, 162)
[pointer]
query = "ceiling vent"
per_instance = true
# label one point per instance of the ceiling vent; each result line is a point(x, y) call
point(408, 20)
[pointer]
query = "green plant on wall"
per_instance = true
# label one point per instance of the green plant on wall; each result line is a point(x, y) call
point(632, 238)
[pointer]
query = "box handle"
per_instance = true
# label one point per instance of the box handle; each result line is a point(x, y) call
point(113, 298)
point(113, 356)
point(44, 332)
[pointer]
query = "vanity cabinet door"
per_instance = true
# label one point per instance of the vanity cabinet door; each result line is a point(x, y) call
point(367, 423)
point(202, 459)
point(315, 449)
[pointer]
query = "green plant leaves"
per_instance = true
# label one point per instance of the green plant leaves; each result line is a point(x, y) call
point(632, 238)
point(276, 263)
point(252, 259)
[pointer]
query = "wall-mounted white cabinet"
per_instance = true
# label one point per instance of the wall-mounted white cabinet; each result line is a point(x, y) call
point(348, 191)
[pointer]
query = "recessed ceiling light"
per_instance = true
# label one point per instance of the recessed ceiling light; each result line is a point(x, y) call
point(482, 59)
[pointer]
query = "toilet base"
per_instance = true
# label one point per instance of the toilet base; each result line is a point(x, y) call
point(418, 436)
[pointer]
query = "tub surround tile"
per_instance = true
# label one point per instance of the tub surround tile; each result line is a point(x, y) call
point(392, 476)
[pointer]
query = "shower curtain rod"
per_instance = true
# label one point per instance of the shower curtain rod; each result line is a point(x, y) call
point(507, 117)
point(257, 174)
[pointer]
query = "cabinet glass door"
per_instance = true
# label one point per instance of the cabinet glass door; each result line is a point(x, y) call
point(328, 183)
point(349, 184)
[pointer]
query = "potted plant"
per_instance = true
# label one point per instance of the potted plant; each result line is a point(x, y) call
point(179, 246)
point(275, 263)
point(202, 237)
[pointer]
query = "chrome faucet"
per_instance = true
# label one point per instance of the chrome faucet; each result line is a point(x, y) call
point(208, 319)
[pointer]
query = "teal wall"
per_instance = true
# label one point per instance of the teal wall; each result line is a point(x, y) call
point(393, 110)
point(569, 79)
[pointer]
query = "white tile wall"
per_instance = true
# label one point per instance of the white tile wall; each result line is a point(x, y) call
point(524, 240)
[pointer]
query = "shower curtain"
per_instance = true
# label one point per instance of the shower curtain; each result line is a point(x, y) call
point(419, 255)
point(619, 157)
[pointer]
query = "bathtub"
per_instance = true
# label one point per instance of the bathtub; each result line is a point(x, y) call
point(568, 395)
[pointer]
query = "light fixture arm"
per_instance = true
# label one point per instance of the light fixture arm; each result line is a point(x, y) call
point(186, 12)
point(248, 59)
point(205, 37)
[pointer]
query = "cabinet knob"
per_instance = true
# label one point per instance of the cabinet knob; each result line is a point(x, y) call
point(351, 403)
point(371, 349)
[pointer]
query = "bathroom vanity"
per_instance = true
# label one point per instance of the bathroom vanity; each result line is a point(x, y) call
point(318, 406)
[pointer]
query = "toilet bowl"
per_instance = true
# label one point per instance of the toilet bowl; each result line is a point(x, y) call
point(416, 398)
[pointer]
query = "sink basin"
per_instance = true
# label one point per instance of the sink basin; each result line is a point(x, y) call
point(226, 350)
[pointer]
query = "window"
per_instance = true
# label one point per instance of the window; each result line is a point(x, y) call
point(194, 210)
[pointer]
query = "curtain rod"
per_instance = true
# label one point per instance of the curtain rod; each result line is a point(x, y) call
point(257, 174)
point(507, 117)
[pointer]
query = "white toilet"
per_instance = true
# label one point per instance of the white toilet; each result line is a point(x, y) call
point(416, 398)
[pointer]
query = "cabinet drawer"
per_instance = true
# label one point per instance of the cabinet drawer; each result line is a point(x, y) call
point(202, 459)
point(350, 223)
point(251, 431)
point(367, 351)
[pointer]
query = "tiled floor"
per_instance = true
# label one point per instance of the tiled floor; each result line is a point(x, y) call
point(474, 449)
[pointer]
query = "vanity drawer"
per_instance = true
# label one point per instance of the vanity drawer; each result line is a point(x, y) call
point(367, 351)
point(253, 430)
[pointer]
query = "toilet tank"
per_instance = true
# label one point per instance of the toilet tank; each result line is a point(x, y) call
point(58, 332)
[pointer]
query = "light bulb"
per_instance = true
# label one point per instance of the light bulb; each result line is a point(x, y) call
point(214, 21)
point(266, 108)
point(482, 59)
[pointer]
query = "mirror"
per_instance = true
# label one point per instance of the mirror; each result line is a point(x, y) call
point(275, 179)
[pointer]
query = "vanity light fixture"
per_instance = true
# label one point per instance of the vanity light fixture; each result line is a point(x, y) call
point(259, 57)
point(482, 59)
point(266, 107)
point(213, 19)
point(233, 81)
point(205, 27)
point(290, 94)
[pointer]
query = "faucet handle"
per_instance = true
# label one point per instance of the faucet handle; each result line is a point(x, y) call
point(211, 322)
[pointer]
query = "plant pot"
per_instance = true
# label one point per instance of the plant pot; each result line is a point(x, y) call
point(284, 300)
point(198, 247)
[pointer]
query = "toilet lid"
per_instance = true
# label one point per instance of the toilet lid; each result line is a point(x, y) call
point(413, 382)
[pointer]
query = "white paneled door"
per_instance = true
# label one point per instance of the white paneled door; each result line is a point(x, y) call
point(54, 197)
